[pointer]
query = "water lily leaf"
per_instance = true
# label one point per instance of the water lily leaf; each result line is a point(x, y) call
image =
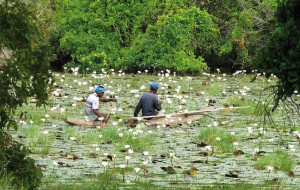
point(169, 170)
point(238, 152)
point(192, 171)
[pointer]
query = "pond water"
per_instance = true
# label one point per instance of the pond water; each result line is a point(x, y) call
point(81, 159)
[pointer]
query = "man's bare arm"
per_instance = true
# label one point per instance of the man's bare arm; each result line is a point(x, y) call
point(96, 112)
point(108, 100)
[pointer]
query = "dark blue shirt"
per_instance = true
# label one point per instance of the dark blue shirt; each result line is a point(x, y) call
point(148, 103)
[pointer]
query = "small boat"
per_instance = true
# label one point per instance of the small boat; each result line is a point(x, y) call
point(170, 119)
point(83, 122)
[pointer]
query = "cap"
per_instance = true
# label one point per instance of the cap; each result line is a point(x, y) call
point(154, 85)
point(100, 89)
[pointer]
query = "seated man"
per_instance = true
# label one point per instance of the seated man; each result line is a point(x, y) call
point(149, 102)
point(92, 105)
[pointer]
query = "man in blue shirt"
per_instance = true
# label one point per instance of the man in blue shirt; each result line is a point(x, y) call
point(149, 102)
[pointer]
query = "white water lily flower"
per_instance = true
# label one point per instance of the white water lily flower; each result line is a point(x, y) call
point(291, 146)
point(104, 164)
point(145, 163)
point(215, 123)
point(270, 168)
point(209, 148)
point(146, 153)
point(135, 133)
point(137, 170)
point(296, 133)
point(105, 154)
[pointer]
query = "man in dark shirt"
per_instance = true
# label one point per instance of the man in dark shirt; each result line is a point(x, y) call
point(149, 102)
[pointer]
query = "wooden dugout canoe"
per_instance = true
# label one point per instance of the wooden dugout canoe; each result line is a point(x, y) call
point(82, 122)
point(169, 119)
point(174, 119)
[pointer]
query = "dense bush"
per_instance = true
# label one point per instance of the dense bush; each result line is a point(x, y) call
point(16, 166)
point(281, 55)
point(179, 35)
point(24, 72)
point(173, 42)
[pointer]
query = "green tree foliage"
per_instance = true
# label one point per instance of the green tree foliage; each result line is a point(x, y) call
point(112, 34)
point(173, 42)
point(24, 64)
point(281, 56)
point(180, 35)
point(244, 25)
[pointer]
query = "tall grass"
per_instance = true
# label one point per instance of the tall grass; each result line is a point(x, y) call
point(140, 143)
point(209, 135)
point(279, 160)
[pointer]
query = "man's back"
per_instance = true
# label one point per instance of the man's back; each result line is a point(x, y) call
point(148, 103)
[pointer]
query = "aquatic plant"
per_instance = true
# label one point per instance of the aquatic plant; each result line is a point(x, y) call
point(209, 135)
point(280, 160)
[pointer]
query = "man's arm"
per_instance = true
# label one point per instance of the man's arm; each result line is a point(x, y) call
point(157, 104)
point(138, 108)
point(108, 100)
point(96, 112)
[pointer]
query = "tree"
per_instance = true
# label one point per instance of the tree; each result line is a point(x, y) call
point(281, 56)
point(24, 64)
point(173, 43)
point(244, 25)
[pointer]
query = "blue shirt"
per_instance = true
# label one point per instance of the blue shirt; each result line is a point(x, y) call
point(148, 103)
